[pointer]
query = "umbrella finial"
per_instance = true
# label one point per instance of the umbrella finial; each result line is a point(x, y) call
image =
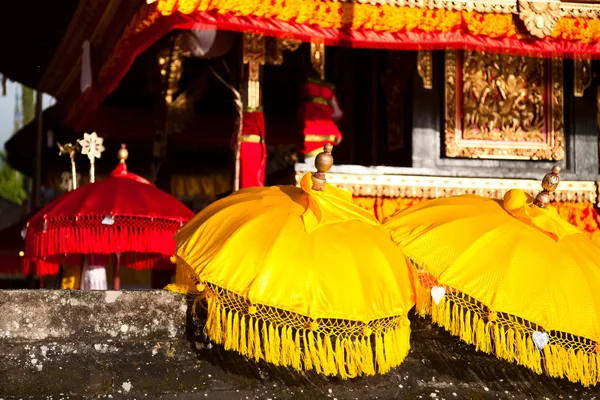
point(549, 185)
point(123, 154)
point(92, 145)
point(323, 163)
point(71, 151)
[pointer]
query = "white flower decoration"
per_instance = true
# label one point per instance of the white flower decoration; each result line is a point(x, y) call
point(92, 145)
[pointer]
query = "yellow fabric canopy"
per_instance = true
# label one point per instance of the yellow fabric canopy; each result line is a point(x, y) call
point(512, 278)
point(299, 278)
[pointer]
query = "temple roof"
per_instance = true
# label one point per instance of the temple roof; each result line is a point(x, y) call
point(29, 40)
point(42, 48)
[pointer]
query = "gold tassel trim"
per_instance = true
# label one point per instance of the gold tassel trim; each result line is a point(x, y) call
point(329, 346)
point(303, 349)
point(508, 337)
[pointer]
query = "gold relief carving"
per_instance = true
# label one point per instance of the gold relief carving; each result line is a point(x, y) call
point(254, 56)
point(540, 17)
point(425, 67)
point(432, 187)
point(394, 84)
point(274, 53)
point(289, 44)
point(317, 57)
point(503, 107)
point(582, 75)
point(275, 48)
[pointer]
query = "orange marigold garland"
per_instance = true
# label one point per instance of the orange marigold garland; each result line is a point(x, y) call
point(583, 214)
point(383, 18)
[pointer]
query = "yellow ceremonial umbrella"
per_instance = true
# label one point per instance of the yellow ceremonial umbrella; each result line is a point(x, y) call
point(510, 277)
point(299, 277)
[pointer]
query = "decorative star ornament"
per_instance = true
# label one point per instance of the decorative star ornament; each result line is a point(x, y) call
point(92, 146)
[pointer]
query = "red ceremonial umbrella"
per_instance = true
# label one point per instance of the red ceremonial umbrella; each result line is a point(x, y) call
point(123, 215)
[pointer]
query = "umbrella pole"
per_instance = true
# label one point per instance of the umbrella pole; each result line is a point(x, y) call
point(117, 278)
point(59, 277)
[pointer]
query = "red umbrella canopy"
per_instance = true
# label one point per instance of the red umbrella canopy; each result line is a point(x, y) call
point(123, 214)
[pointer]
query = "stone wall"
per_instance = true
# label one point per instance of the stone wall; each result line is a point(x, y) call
point(146, 345)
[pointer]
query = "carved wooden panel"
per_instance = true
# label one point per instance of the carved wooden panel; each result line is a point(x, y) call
point(503, 107)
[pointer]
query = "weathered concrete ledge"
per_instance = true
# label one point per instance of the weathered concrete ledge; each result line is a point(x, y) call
point(146, 345)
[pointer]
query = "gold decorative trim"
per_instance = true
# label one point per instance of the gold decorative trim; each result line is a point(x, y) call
point(432, 187)
point(484, 6)
point(317, 57)
point(540, 17)
point(251, 139)
point(502, 143)
point(275, 48)
point(425, 67)
point(582, 75)
point(254, 56)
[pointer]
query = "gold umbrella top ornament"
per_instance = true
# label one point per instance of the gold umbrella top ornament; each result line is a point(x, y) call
point(71, 150)
point(518, 281)
point(92, 146)
point(299, 277)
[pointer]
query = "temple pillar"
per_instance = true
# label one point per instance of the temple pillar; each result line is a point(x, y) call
point(251, 151)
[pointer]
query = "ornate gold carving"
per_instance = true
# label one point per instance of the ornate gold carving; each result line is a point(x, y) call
point(254, 56)
point(394, 83)
point(425, 67)
point(435, 187)
point(317, 57)
point(289, 44)
point(484, 6)
point(179, 109)
point(582, 75)
point(540, 17)
point(275, 48)
point(576, 9)
point(274, 53)
point(503, 107)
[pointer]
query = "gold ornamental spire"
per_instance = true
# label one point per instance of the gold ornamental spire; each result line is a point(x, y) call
point(71, 150)
point(549, 185)
point(123, 154)
point(323, 163)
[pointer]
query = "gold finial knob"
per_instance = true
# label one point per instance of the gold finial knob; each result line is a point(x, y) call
point(323, 163)
point(123, 154)
point(67, 149)
point(549, 185)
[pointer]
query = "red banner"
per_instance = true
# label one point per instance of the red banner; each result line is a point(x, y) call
point(253, 152)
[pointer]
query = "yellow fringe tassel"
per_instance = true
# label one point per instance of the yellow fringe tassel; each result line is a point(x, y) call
point(512, 343)
point(303, 349)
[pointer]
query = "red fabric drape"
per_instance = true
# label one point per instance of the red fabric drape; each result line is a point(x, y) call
point(316, 117)
point(253, 152)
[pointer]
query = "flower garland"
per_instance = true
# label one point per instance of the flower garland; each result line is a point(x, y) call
point(384, 18)
point(583, 215)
